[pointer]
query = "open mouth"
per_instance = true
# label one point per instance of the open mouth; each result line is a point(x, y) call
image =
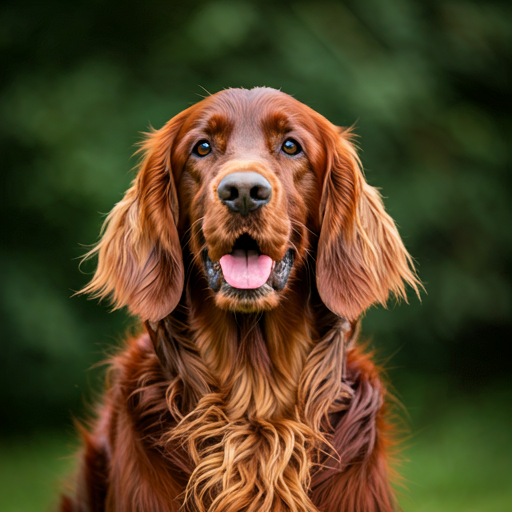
point(246, 271)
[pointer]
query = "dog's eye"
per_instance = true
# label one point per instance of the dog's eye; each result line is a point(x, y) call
point(202, 148)
point(291, 147)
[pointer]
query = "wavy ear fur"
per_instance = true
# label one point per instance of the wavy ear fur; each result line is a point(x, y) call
point(361, 257)
point(140, 262)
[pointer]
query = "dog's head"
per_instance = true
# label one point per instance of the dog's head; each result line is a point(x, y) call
point(249, 185)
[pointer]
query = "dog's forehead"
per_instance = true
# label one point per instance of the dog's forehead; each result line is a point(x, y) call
point(244, 113)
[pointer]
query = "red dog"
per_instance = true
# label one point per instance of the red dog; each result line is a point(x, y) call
point(249, 244)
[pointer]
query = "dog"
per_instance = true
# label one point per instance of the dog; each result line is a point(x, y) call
point(249, 246)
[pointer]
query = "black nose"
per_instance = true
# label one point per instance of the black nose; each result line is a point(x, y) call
point(244, 192)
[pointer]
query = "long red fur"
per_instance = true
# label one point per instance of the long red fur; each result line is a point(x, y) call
point(225, 405)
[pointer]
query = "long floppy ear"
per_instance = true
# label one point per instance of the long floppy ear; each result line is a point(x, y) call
point(361, 258)
point(140, 261)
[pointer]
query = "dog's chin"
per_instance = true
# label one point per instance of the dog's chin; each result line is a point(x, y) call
point(248, 299)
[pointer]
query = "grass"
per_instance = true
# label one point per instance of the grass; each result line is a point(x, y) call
point(32, 469)
point(462, 461)
point(459, 462)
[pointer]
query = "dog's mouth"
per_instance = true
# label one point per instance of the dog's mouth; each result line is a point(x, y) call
point(246, 272)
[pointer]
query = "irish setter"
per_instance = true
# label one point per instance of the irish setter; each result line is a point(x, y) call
point(248, 245)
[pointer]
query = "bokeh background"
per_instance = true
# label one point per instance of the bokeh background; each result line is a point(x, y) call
point(427, 85)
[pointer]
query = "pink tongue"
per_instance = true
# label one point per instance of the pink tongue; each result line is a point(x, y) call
point(246, 270)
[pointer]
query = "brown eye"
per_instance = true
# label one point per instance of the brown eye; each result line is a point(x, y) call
point(202, 148)
point(291, 147)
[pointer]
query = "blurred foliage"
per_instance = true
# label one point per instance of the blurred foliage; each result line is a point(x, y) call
point(427, 85)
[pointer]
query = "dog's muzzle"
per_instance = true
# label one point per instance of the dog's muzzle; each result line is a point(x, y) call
point(246, 272)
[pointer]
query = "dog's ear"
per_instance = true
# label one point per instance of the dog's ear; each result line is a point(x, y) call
point(140, 262)
point(361, 258)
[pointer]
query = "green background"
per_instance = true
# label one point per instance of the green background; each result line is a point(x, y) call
point(427, 85)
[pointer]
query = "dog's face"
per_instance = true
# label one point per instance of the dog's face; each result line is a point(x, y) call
point(251, 183)
point(248, 194)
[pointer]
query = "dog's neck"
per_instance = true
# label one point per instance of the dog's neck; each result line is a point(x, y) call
point(257, 359)
point(254, 361)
